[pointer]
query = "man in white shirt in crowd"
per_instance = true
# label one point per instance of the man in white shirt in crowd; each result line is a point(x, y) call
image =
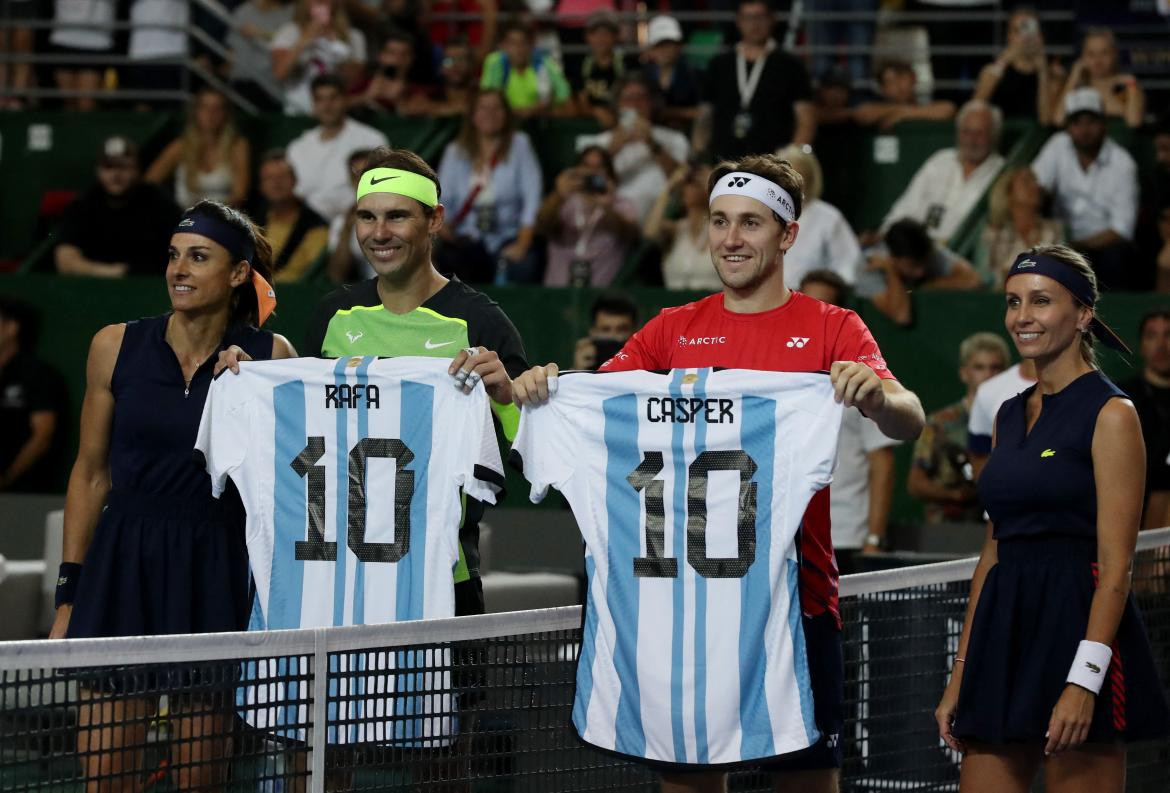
point(992, 393)
point(320, 156)
point(950, 183)
point(1094, 186)
point(644, 153)
point(863, 481)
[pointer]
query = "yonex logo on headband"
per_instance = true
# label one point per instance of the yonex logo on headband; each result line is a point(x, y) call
point(767, 192)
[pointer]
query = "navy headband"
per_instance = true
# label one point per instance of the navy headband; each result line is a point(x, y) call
point(238, 242)
point(1077, 285)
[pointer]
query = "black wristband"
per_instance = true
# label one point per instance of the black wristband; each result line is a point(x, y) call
point(68, 575)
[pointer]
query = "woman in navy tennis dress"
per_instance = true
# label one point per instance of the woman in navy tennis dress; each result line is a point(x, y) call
point(147, 549)
point(1053, 664)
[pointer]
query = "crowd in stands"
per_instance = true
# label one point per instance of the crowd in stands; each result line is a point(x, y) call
point(662, 114)
point(633, 201)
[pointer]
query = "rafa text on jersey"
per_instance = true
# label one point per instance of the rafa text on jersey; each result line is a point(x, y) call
point(344, 395)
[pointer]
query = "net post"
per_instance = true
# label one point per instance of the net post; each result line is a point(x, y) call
point(320, 710)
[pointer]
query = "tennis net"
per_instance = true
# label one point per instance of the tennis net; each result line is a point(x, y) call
point(464, 704)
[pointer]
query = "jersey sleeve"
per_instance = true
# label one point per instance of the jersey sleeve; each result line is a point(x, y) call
point(643, 350)
point(484, 478)
point(223, 435)
point(542, 450)
point(854, 342)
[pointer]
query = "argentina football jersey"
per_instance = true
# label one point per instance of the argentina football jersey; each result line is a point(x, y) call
point(689, 488)
point(351, 471)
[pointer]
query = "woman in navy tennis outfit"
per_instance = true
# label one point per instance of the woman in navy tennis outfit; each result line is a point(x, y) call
point(163, 556)
point(1053, 664)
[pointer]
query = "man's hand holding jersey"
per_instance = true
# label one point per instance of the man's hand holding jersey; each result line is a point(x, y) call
point(856, 385)
point(896, 411)
point(474, 364)
point(534, 387)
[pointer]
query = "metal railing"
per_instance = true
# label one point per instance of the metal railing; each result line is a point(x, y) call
point(789, 23)
point(193, 70)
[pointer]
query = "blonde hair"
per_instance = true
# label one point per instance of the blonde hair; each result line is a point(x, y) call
point(999, 200)
point(1075, 261)
point(809, 167)
point(193, 147)
point(984, 342)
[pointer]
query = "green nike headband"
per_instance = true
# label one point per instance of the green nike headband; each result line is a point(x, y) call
point(393, 180)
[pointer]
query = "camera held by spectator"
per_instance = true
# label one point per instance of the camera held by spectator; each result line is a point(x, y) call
point(589, 227)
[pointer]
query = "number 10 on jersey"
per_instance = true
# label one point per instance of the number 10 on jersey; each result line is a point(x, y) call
point(644, 480)
point(316, 548)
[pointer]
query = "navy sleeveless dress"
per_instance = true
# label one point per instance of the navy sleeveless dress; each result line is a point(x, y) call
point(166, 557)
point(1039, 489)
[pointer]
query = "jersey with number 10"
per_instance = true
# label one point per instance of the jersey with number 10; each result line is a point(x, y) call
point(689, 489)
point(351, 472)
point(803, 335)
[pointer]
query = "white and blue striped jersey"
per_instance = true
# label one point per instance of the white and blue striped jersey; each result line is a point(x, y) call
point(351, 472)
point(689, 489)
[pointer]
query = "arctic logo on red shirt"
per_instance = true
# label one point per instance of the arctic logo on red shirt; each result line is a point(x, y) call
point(701, 341)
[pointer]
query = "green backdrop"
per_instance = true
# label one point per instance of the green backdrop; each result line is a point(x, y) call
point(924, 357)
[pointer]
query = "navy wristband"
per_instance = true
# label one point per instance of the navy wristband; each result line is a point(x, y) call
point(68, 575)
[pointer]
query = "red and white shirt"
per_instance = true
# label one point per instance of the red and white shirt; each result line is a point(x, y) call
point(803, 335)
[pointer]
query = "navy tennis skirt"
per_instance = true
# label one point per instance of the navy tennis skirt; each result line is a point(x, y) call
point(162, 565)
point(1032, 614)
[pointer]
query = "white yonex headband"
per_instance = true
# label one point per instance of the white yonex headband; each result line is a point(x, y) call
point(767, 192)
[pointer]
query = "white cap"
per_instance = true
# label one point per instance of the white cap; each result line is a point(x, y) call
point(663, 28)
point(1083, 100)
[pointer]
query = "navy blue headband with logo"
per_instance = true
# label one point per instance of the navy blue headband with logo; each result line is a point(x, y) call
point(238, 243)
point(1075, 283)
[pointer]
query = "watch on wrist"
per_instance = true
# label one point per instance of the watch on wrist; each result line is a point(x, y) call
point(875, 540)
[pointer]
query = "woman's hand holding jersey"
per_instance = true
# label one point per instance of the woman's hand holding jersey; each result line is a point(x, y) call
point(230, 358)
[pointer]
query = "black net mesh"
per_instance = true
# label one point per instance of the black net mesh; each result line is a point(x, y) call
point(483, 715)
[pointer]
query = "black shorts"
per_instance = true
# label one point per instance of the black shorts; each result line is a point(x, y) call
point(826, 666)
point(206, 680)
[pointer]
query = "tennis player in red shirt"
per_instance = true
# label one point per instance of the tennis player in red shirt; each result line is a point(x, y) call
point(756, 322)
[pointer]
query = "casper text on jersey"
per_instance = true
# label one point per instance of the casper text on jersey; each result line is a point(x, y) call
point(685, 410)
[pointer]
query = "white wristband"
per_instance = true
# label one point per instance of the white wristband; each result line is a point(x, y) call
point(1089, 667)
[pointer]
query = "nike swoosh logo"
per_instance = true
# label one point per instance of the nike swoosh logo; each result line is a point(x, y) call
point(383, 179)
point(431, 346)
